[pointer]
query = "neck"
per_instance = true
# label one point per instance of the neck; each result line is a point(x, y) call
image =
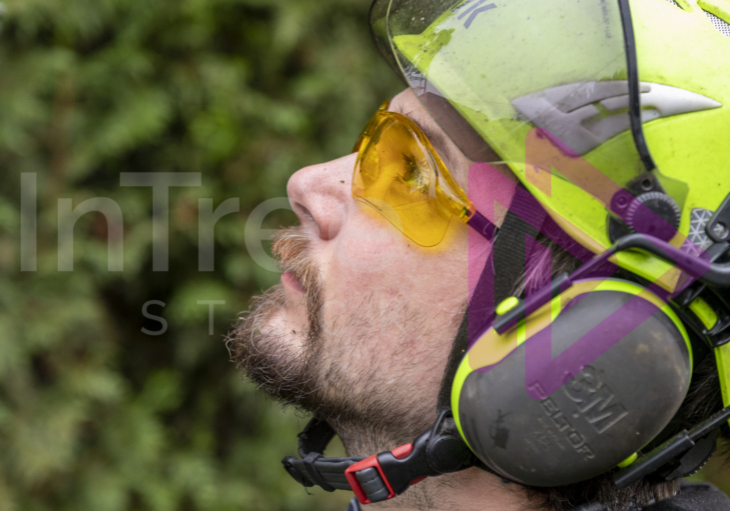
point(468, 490)
point(471, 489)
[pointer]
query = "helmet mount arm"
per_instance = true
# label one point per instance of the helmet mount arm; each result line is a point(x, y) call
point(711, 274)
point(672, 452)
point(380, 477)
point(718, 228)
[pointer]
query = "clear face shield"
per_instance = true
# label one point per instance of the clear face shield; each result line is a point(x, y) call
point(571, 131)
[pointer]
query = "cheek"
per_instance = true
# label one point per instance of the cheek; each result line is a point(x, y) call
point(391, 306)
point(372, 268)
point(367, 249)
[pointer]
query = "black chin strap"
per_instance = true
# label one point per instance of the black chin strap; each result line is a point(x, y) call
point(314, 468)
point(439, 450)
point(458, 350)
point(505, 266)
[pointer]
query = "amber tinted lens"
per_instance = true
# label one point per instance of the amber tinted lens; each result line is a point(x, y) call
point(401, 176)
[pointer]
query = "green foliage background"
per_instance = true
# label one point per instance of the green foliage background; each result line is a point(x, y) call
point(94, 414)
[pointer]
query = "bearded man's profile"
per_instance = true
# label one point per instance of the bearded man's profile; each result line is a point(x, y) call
point(513, 294)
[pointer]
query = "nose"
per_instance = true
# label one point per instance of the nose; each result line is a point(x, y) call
point(320, 195)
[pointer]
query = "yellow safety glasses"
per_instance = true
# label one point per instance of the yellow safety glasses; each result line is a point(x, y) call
point(399, 173)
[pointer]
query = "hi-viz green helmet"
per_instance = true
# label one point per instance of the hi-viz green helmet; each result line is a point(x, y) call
point(615, 116)
point(508, 67)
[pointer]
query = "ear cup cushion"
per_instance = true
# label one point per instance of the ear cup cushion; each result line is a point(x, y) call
point(606, 412)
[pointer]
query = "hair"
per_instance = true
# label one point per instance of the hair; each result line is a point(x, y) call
point(703, 399)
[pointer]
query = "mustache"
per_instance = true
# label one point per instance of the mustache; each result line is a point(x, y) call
point(292, 248)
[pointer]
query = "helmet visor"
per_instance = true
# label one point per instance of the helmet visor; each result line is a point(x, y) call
point(542, 86)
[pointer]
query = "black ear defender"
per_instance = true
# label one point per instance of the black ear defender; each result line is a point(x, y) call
point(575, 388)
point(586, 375)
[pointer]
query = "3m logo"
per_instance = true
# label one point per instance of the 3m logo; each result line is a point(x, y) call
point(574, 438)
point(595, 400)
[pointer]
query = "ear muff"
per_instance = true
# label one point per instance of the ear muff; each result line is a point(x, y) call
point(577, 387)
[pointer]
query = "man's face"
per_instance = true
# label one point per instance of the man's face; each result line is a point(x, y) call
point(360, 328)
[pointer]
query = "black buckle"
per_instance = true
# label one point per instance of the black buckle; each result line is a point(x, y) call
point(383, 476)
point(368, 477)
point(437, 451)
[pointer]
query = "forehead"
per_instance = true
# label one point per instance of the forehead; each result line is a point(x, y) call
point(407, 103)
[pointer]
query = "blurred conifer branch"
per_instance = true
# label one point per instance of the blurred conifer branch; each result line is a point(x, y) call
point(94, 414)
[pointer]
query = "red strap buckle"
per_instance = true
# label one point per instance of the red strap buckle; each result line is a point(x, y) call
point(373, 462)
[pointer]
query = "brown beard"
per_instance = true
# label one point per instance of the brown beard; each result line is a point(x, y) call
point(267, 357)
point(367, 411)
